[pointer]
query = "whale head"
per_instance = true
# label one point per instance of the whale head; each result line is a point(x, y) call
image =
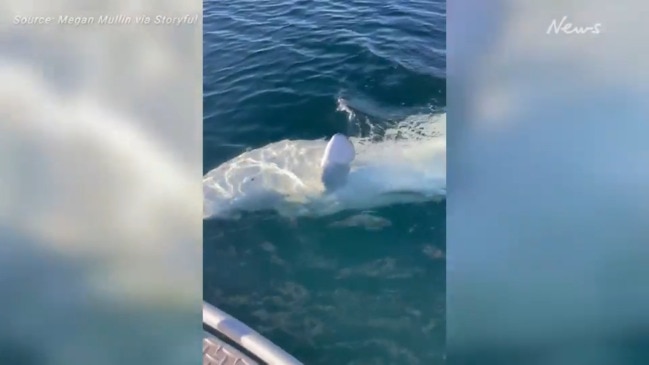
point(336, 162)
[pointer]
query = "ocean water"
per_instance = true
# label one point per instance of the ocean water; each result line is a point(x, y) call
point(326, 291)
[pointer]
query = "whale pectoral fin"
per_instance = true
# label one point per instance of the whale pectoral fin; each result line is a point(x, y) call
point(336, 161)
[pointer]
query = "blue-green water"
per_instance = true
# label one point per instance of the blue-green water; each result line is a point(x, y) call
point(275, 70)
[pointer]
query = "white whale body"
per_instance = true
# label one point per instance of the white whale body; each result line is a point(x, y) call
point(319, 177)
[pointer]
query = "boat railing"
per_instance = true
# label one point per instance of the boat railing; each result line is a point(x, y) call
point(245, 337)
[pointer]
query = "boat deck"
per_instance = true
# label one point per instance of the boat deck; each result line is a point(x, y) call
point(217, 352)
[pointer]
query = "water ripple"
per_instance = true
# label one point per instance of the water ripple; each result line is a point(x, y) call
point(323, 46)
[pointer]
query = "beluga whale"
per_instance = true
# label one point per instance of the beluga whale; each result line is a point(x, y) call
point(294, 178)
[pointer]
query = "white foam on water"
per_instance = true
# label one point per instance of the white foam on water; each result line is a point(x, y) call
point(406, 163)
